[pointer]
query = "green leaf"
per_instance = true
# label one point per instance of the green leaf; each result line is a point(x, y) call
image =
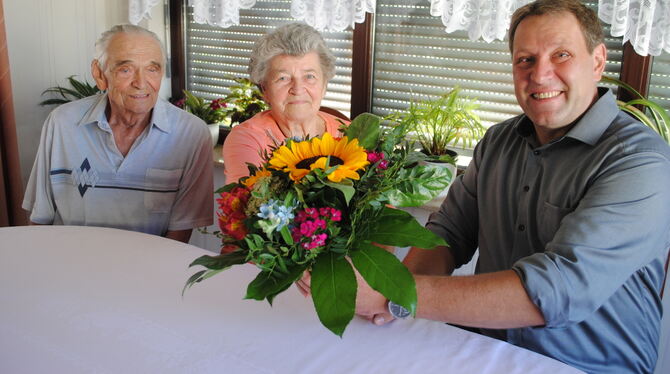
point(365, 127)
point(221, 261)
point(271, 283)
point(346, 189)
point(286, 235)
point(385, 274)
point(333, 288)
point(399, 228)
point(418, 185)
point(199, 277)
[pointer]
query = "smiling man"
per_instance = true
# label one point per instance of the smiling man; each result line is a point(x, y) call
point(569, 206)
point(126, 158)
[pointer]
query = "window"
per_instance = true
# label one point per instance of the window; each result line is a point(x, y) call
point(214, 55)
point(415, 58)
point(659, 82)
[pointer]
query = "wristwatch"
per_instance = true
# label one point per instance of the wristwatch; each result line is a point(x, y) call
point(398, 311)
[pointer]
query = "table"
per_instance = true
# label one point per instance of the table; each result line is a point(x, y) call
point(84, 299)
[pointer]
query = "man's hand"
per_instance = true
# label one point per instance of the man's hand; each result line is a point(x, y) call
point(370, 304)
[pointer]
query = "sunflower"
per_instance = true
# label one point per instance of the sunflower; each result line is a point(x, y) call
point(249, 182)
point(321, 153)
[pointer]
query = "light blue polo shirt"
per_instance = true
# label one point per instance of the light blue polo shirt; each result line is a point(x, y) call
point(80, 177)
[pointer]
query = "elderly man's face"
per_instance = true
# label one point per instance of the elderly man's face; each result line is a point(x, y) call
point(555, 76)
point(294, 86)
point(133, 74)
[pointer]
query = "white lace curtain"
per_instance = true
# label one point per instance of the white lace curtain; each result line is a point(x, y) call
point(323, 15)
point(646, 23)
point(486, 19)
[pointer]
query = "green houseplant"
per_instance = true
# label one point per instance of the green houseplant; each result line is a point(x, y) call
point(437, 124)
point(78, 90)
point(448, 120)
point(245, 100)
point(651, 114)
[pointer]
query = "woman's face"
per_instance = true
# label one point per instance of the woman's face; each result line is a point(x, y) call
point(294, 87)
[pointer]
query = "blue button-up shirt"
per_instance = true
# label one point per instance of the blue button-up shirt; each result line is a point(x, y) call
point(584, 221)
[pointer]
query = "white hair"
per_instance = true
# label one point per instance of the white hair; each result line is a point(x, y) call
point(293, 39)
point(102, 45)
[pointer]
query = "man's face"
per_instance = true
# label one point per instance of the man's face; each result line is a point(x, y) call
point(133, 74)
point(555, 76)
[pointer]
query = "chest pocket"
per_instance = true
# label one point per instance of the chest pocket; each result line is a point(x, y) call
point(550, 220)
point(162, 186)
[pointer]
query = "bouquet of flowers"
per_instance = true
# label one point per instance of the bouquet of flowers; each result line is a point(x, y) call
point(321, 205)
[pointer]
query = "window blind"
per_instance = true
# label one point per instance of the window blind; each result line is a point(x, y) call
point(659, 82)
point(215, 55)
point(415, 58)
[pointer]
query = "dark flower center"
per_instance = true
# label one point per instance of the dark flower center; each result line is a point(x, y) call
point(304, 164)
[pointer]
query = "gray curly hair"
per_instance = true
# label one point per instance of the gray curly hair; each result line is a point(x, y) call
point(102, 44)
point(293, 39)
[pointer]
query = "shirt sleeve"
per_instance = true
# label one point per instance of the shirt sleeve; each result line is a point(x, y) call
point(619, 226)
point(457, 220)
point(38, 198)
point(194, 205)
point(241, 147)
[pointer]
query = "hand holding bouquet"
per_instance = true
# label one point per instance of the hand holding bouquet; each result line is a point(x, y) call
point(318, 202)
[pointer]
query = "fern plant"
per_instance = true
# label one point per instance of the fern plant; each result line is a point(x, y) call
point(78, 90)
point(652, 114)
point(448, 120)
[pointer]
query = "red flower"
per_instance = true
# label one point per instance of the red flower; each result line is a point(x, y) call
point(231, 212)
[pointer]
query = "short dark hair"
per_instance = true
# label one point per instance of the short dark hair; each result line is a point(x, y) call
point(587, 18)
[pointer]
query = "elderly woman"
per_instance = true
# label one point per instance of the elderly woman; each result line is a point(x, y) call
point(292, 66)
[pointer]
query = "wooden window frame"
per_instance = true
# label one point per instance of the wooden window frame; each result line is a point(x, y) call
point(635, 69)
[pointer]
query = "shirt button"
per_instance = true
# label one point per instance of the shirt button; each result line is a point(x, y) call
point(522, 227)
point(526, 188)
point(536, 153)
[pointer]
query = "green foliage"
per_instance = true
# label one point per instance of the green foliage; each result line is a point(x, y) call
point(209, 111)
point(244, 101)
point(386, 274)
point(333, 288)
point(444, 121)
point(652, 114)
point(78, 90)
point(316, 219)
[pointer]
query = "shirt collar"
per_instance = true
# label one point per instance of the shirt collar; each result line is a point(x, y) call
point(590, 127)
point(97, 114)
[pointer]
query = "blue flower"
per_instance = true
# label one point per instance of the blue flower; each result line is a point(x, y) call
point(275, 216)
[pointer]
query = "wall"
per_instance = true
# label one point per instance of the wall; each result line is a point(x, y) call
point(49, 40)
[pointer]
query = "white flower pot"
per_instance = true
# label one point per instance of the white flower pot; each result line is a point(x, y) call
point(434, 204)
point(214, 131)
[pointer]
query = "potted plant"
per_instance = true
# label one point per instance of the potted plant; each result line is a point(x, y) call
point(245, 100)
point(643, 109)
point(214, 112)
point(78, 90)
point(443, 123)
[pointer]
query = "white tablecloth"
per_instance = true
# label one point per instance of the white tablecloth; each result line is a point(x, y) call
point(82, 300)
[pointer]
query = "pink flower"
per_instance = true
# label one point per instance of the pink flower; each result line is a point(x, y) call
point(383, 164)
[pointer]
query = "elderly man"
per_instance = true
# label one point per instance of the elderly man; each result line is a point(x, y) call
point(125, 158)
point(569, 206)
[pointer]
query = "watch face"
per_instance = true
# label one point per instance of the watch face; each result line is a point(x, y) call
point(398, 311)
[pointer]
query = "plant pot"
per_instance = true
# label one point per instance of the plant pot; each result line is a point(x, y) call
point(434, 204)
point(214, 132)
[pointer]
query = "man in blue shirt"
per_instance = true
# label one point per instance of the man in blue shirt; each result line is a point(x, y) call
point(125, 158)
point(569, 205)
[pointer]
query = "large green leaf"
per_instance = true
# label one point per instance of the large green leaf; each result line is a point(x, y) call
point(221, 261)
point(399, 228)
point(269, 284)
point(419, 185)
point(385, 274)
point(333, 289)
point(365, 127)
